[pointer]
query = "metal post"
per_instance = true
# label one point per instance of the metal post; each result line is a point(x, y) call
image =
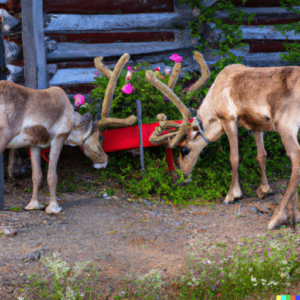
point(139, 117)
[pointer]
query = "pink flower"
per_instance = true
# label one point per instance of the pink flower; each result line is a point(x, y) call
point(157, 69)
point(128, 75)
point(96, 73)
point(129, 68)
point(79, 100)
point(176, 58)
point(127, 88)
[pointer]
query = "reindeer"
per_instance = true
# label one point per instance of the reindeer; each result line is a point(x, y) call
point(259, 99)
point(42, 118)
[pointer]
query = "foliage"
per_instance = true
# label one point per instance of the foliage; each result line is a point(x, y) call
point(60, 281)
point(231, 36)
point(293, 49)
point(254, 269)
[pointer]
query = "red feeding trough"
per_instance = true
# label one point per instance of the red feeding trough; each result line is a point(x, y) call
point(127, 138)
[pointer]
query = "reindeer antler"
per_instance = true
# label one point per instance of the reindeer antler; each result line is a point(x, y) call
point(113, 76)
point(174, 138)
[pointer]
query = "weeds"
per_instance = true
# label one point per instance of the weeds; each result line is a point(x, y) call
point(60, 281)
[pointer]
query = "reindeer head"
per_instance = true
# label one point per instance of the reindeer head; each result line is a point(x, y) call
point(87, 133)
point(179, 132)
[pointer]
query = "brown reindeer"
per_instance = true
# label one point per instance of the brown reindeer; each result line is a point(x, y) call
point(42, 118)
point(259, 99)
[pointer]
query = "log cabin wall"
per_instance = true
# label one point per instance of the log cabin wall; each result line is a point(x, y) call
point(76, 31)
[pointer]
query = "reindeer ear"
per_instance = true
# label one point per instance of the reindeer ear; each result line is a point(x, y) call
point(86, 121)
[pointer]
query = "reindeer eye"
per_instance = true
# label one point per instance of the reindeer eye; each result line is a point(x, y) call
point(101, 138)
point(184, 151)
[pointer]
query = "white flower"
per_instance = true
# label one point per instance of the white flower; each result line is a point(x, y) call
point(168, 71)
point(253, 279)
point(272, 283)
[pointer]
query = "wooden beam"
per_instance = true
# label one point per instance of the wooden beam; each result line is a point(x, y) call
point(73, 23)
point(111, 37)
point(79, 51)
point(264, 16)
point(258, 33)
point(264, 60)
point(33, 44)
point(71, 51)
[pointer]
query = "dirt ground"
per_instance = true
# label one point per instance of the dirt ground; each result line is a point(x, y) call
point(120, 236)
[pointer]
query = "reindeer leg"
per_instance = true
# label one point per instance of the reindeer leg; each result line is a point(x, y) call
point(56, 147)
point(261, 158)
point(290, 142)
point(10, 167)
point(36, 179)
point(232, 133)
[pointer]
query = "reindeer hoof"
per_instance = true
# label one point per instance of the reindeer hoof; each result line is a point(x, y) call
point(279, 218)
point(229, 198)
point(53, 209)
point(263, 190)
point(33, 205)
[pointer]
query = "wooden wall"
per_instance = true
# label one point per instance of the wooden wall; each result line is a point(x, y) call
point(151, 30)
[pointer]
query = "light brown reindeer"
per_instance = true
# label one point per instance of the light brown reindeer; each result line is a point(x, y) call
point(259, 99)
point(42, 118)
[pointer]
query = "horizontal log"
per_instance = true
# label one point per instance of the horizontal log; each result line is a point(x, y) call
point(258, 33)
point(268, 11)
point(111, 37)
point(264, 60)
point(267, 33)
point(73, 76)
point(108, 6)
point(74, 51)
point(65, 23)
point(264, 16)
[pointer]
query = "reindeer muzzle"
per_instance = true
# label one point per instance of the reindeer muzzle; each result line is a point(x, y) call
point(100, 166)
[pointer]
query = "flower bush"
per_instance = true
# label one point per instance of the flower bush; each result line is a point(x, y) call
point(133, 85)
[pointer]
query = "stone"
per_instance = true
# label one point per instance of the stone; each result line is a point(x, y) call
point(34, 256)
point(16, 73)
point(50, 45)
point(12, 51)
point(9, 23)
point(9, 231)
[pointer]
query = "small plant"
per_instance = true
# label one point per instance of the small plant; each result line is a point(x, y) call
point(60, 281)
point(15, 208)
